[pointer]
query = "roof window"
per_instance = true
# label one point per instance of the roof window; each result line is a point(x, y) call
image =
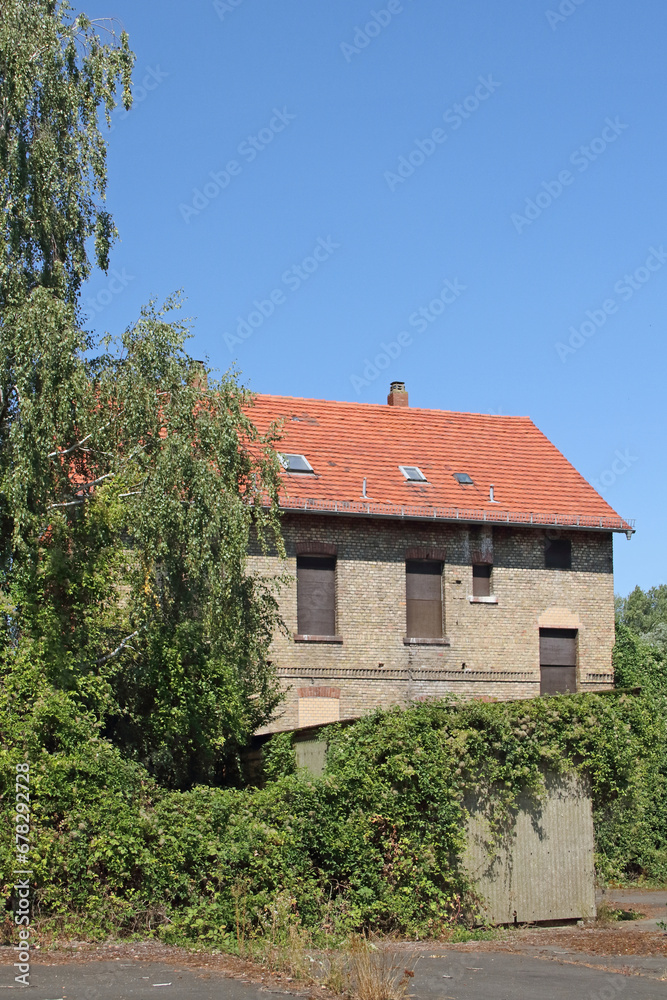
point(295, 463)
point(413, 474)
point(462, 477)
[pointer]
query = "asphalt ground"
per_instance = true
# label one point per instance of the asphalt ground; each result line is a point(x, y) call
point(136, 980)
point(442, 975)
point(625, 960)
point(496, 976)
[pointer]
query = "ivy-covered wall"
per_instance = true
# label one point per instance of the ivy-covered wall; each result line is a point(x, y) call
point(375, 842)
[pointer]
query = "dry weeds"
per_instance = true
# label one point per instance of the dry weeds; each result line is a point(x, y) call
point(376, 972)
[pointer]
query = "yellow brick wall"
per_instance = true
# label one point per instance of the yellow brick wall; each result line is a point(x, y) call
point(312, 711)
point(493, 648)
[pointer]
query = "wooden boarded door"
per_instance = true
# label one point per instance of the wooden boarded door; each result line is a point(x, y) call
point(558, 660)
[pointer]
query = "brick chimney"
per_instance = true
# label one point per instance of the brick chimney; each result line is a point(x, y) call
point(200, 378)
point(397, 395)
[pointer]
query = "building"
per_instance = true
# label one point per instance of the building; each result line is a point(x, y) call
point(433, 553)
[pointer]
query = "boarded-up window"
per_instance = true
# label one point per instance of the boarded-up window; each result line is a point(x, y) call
point(316, 595)
point(423, 591)
point(558, 553)
point(558, 660)
point(481, 580)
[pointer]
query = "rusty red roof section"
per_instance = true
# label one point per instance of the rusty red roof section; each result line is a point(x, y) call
point(345, 443)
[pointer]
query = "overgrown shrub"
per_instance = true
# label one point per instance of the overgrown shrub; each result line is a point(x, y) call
point(374, 843)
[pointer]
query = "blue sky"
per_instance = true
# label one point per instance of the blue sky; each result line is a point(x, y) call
point(470, 194)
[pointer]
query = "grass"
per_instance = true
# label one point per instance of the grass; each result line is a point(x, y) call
point(375, 973)
point(607, 914)
point(356, 966)
point(459, 934)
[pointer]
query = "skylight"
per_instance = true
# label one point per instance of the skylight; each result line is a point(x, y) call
point(295, 463)
point(413, 474)
point(462, 477)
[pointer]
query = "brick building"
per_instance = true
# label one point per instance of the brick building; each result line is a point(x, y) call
point(433, 553)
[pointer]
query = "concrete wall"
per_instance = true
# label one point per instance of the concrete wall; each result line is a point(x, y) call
point(544, 868)
point(490, 648)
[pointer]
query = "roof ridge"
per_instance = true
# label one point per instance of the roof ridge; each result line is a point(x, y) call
point(386, 407)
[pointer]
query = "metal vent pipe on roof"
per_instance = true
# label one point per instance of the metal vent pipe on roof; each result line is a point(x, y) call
point(397, 395)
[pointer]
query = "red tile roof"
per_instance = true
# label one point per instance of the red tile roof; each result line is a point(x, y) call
point(348, 442)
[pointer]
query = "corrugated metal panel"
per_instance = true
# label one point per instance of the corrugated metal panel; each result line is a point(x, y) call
point(543, 870)
point(311, 754)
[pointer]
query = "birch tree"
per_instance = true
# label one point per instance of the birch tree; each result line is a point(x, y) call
point(130, 480)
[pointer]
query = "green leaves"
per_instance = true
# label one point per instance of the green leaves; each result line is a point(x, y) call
point(415, 768)
point(131, 485)
point(57, 76)
point(129, 488)
point(376, 842)
point(642, 612)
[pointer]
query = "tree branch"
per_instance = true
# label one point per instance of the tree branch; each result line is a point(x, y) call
point(94, 482)
point(118, 650)
point(66, 451)
point(81, 486)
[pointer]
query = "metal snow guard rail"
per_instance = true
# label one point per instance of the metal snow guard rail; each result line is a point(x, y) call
point(456, 514)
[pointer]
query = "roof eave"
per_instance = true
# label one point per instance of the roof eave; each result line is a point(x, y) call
point(411, 512)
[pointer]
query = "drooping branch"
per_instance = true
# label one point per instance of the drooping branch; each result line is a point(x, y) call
point(70, 503)
point(66, 451)
point(60, 452)
point(118, 650)
point(81, 486)
point(94, 482)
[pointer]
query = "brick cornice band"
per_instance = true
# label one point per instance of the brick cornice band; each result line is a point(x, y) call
point(318, 692)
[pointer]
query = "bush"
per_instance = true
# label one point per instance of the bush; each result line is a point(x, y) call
point(374, 843)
